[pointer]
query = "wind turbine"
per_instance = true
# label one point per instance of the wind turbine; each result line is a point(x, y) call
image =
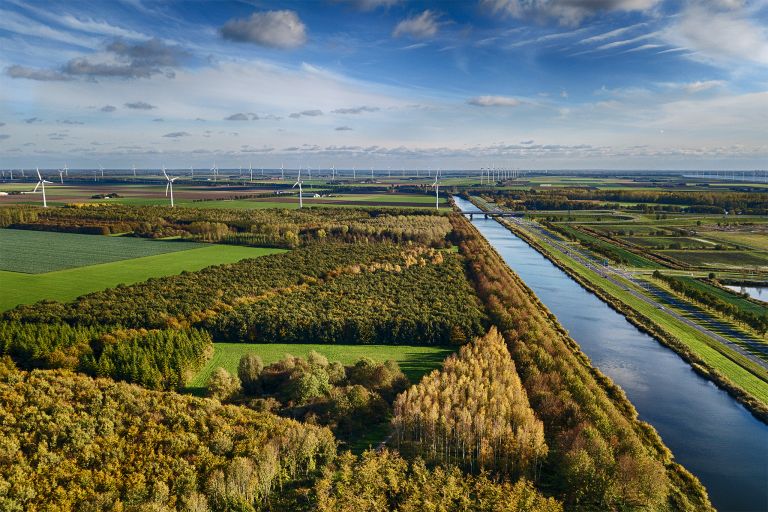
point(66, 171)
point(282, 172)
point(22, 173)
point(354, 174)
point(192, 171)
point(298, 182)
point(437, 194)
point(134, 170)
point(11, 173)
point(215, 171)
point(102, 171)
point(169, 186)
point(61, 175)
point(250, 168)
point(41, 182)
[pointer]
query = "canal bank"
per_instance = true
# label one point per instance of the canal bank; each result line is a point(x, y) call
point(708, 431)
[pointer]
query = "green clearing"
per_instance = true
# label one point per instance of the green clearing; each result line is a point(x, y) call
point(754, 240)
point(738, 259)
point(415, 361)
point(37, 252)
point(65, 285)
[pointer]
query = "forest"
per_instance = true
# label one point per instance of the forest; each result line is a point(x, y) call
point(72, 447)
point(284, 228)
point(518, 419)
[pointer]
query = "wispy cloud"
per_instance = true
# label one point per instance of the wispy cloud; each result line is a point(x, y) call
point(421, 26)
point(175, 135)
point(494, 101)
point(306, 113)
point(355, 110)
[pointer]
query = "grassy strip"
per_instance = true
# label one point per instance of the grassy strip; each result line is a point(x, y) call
point(731, 371)
point(66, 285)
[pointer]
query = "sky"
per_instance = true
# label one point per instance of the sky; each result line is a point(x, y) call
point(527, 84)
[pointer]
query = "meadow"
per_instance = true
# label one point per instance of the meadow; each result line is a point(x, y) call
point(37, 252)
point(414, 361)
point(65, 285)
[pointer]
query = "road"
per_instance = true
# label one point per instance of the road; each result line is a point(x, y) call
point(656, 296)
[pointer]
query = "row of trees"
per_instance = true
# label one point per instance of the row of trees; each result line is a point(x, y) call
point(79, 444)
point(384, 481)
point(585, 198)
point(154, 358)
point(601, 457)
point(429, 302)
point(754, 320)
point(473, 412)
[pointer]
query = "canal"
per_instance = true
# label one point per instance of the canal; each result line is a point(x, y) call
point(708, 431)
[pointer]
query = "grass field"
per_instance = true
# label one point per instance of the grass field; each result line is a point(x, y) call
point(37, 252)
point(64, 285)
point(415, 361)
point(717, 258)
point(753, 240)
point(724, 295)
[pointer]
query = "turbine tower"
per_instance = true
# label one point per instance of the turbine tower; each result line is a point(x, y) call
point(66, 171)
point(250, 168)
point(133, 166)
point(298, 182)
point(437, 194)
point(41, 183)
point(169, 186)
point(282, 172)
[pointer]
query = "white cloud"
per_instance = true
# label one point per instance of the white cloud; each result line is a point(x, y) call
point(422, 26)
point(567, 12)
point(717, 36)
point(494, 101)
point(276, 29)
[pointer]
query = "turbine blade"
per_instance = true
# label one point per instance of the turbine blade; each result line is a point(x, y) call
point(38, 174)
point(166, 188)
point(38, 184)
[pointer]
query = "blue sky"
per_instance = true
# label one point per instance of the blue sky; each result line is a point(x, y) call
point(570, 84)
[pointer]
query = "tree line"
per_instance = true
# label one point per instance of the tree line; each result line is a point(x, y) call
point(474, 413)
point(154, 358)
point(754, 320)
point(587, 198)
point(600, 456)
point(267, 227)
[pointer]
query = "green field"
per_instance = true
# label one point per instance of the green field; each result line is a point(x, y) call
point(716, 258)
point(64, 285)
point(36, 252)
point(415, 361)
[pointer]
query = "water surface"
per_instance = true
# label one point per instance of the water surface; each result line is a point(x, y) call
point(756, 292)
point(710, 433)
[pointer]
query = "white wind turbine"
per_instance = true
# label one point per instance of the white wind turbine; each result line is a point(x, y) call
point(66, 171)
point(437, 194)
point(215, 171)
point(134, 170)
point(192, 171)
point(298, 182)
point(169, 186)
point(61, 176)
point(250, 168)
point(282, 172)
point(102, 171)
point(41, 183)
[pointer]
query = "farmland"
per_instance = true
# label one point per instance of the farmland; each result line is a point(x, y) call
point(31, 251)
point(64, 285)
